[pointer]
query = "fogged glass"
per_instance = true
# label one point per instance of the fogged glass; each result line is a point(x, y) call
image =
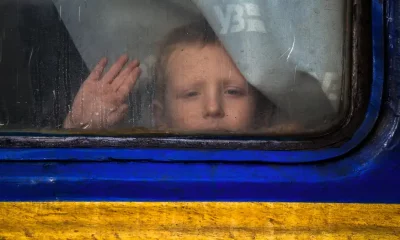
point(240, 66)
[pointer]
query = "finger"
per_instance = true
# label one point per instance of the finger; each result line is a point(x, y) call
point(127, 86)
point(115, 69)
point(134, 63)
point(98, 70)
point(124, 74)
point(117, 115)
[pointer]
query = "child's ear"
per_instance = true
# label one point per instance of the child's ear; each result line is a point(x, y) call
point(158, 115)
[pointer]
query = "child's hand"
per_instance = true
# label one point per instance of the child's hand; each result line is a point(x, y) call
point(101, 100)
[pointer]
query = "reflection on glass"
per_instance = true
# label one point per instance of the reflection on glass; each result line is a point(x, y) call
point(177, 66)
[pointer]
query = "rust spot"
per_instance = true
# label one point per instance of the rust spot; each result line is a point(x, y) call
point(28, 233)
point(117, 236)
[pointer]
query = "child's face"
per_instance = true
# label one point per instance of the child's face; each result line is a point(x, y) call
point(206, 92)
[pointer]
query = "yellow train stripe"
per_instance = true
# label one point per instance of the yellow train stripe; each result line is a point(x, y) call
point(190, 220)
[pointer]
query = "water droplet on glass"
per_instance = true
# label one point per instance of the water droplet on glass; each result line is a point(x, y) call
point(4, 116)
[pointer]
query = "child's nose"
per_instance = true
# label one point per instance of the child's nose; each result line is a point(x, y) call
point(213, 107)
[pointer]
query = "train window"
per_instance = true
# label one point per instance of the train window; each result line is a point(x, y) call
point(192, 69)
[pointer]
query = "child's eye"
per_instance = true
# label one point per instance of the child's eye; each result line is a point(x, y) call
point(234, 92)
point(191, 94)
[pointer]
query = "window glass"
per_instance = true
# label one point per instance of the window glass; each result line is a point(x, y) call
point(240, 66)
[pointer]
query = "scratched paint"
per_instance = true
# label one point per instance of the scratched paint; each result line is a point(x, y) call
point(83, 220)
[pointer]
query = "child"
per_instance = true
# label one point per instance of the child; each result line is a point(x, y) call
point(197, 88)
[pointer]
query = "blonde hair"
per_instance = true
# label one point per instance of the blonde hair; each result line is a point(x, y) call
point(199, 32)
